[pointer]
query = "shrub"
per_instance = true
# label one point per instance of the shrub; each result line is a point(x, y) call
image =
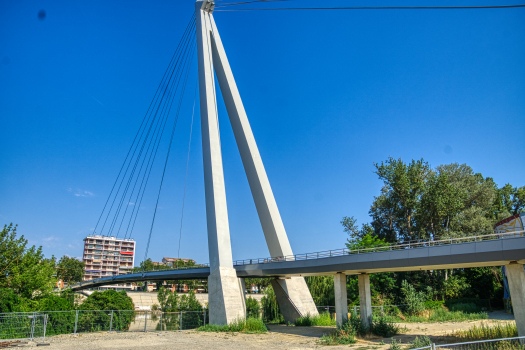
point(394, 345)
point(154, 307)
point(252, 307)
point(323, 319)
point(469, 308)
point(342, 335)
point(420, 342)
point(383, 328)
point(482, 303)
point(414, 300)
point(271, 310)
point(433, 304)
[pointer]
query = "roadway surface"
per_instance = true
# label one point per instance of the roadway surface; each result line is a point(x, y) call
point(494, 252)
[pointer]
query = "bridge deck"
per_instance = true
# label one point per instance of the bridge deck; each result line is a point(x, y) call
point(495, 252)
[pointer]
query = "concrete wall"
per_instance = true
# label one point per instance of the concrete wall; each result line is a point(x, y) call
point(144, 300)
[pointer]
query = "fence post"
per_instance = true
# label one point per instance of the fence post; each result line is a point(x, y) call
point(45, 325)
point(145, 321)
point(111, 322)
point(76, 322)
point(382, 311)
point(355, 310)
point(32, 325)
point(161, 320)
point(180, 322)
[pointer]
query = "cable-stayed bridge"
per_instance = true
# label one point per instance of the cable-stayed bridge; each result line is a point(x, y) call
point(225, 277)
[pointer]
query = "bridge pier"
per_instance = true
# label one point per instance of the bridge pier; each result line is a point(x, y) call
point(516, 279)
point(341, 301)
point(365, 299)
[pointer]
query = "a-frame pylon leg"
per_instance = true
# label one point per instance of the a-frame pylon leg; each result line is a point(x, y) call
point(226, 300)
point(292, 294)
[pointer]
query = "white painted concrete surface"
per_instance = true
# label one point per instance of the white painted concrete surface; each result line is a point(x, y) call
point(365, 299)
point(341, 302)
point(516, 279)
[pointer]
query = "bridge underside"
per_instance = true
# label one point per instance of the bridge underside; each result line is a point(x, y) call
point(497, 252)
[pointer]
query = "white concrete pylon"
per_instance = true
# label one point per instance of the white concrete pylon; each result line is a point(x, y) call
point(226, 300)
point(212, 57)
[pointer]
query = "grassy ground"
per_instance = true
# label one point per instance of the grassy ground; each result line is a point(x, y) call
point(485, 331)
point(250, 325)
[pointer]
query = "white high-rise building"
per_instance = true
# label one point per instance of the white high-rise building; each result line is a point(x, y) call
point(108, 256)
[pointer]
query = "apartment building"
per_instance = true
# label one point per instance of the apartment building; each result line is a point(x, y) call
point(108, 256)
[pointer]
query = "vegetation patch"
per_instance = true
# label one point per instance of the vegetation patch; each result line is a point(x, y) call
point(420, 342)
point(484, 332)
point(323, 319)
point(343, 335)
point(250, 325)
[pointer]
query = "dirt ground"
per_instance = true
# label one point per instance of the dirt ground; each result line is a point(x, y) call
point(279, 337)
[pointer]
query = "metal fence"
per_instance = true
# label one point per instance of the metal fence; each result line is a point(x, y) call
point(41, 324)
point(517, 343)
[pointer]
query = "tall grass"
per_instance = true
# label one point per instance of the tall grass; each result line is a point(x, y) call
point(343, 335)
point(249, 325)
point(323, 319)
point(484, 332)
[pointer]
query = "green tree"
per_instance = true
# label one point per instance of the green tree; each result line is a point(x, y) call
point(404, 184)
point(23, 269)
point(168, 300)
point(70, 270)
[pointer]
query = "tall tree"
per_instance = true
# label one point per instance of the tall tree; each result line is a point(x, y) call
point(70, 270)
point(23, 269)
point(404, 185)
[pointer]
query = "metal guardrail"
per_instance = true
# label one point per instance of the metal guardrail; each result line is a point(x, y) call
point(515, 343)
point(31, 325)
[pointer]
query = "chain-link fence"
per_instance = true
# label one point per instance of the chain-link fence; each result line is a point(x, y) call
point(23, 325)
point(40, 324)
point(517, 343)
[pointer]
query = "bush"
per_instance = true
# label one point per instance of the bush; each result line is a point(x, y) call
point(271, 310)
point(434, 304)
point(394, 345)
point(420, 342)
point(469, 308)
point(482, 303)
point(383, 328)
point(250, 325)
point(323, 319)
point(154, 307)
point(343, 335)
point(414, 300)
point(252, 307)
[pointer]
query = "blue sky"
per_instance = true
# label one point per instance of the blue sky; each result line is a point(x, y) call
point(327, 94)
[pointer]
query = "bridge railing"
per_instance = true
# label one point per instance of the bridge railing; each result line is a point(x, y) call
point(482, 236)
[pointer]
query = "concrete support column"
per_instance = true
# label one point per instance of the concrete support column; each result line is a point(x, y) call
point(294, 298)
point(516, 279)
point(341, 302)
point(365, 299)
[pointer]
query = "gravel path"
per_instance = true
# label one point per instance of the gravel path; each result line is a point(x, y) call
point(279, 337)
